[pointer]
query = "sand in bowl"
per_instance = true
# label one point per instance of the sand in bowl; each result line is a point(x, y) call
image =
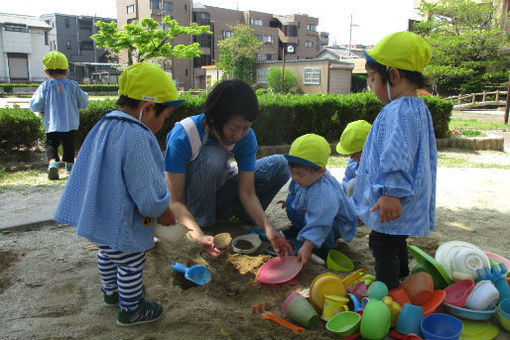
point(222, 241)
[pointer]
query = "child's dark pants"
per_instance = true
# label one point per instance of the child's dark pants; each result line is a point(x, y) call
point(391, 257)
point(53, 140)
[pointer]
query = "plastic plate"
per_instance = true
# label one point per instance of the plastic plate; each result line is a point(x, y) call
point(479, 330)
point(470, 314)
point(279, 270)
point(423, 257)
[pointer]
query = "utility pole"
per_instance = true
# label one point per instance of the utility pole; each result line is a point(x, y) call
point(351, 25)
point(283, 71)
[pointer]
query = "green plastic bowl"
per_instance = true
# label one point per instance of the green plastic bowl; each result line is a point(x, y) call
point(344, 324)
point(339, 262)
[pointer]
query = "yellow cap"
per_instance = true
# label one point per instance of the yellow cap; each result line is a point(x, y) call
point(55, 61)
point(353, 137)
point(310, 149)
point(404, 50)
point(147, 81)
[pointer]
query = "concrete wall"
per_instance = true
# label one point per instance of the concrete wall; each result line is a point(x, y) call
point(39, 49)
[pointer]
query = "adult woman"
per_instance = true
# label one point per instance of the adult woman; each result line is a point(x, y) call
point(204, 183)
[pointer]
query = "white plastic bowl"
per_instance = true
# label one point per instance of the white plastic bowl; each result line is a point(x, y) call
point(466, 261)
point(253, 239)
point(484, 296)
point(170, 233)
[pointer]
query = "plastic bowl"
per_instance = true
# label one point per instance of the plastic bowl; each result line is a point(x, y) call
point(344, 324)
point(457, 293)
point(504, 307)
point(504, 318)
point(338, 261)
point(469, 314)
point(246, 244)
point(439, 326)
point(435, 300)
point(484, 296)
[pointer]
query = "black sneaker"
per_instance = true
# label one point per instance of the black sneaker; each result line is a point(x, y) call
point(147, 311)
point(111, 300)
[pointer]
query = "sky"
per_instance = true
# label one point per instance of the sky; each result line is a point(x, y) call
point(371, 19)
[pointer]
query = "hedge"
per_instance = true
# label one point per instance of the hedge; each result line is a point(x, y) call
point(284, 117)
point(8, 88)
point(19, 129)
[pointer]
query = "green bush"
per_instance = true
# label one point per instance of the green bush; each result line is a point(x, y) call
point(358, 82)
point(274, 80)
point(19, 129)
point(260, 91)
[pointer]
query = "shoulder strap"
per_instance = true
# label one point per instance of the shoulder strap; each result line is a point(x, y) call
point(104, 116)
point(194, 138)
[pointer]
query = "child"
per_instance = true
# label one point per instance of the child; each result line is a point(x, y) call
point(59, 99)
point(396, 182)
point(118, 187)
point(317, 206)
point(351, 143)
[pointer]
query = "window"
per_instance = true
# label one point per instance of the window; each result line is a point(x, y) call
point(154, 4)
point(309, 44)
point(168, 6)
point(66, 23)
point(185, 8)
point(16, 28)
point(268, 39)
point(256, 22)
point(269, 56)
point(68, 44)
point(227, 34)
point(310, 27)
point(46, 38)
point(86, 45)
point(259, 37)
point(85, 25)
point(130, 9)
point(312, 75)
point(261, 75)
point(186, 72)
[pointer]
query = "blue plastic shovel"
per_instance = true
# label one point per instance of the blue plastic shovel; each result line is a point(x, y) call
point(197, 274)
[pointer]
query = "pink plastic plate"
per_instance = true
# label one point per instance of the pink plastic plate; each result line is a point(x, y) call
point(279, 270)
point(498, 258)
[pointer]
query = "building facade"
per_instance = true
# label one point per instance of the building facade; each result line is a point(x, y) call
point(295, 34)
point(23, 43)
point(70, 35)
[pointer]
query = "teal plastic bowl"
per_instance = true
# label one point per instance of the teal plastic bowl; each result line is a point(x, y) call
point(344, 324)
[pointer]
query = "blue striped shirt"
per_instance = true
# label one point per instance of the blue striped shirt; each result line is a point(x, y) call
point(399, 159)
point(60, 100)
point(118, 178)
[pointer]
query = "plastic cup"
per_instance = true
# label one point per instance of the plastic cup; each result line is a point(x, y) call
point(288, 300)
point(375, 321)
point(409, 319)
point(302, 312)
point(419, 287)
point(334, 304)
point(484, 296)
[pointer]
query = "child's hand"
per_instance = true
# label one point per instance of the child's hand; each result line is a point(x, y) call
point(305, 252)
point(282, 202)
point(391, 208)
point(167, 217)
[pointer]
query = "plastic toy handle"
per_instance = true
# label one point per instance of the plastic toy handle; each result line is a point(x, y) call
point(179, 267)
point(349, 280)
point(276, 319)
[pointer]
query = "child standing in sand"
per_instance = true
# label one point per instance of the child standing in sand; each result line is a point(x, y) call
point(351, 144)
point(118, 187)
point(395, 190)
point(59, 100)
point(317, 205)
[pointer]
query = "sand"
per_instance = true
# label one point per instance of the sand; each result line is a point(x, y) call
point(50, 287)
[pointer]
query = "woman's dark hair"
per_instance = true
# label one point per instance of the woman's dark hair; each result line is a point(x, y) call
point(413, 76)
point(56, 72)
point(133, 104)
point(230, 98)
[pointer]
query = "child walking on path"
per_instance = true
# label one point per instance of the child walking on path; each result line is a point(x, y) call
point(117, 188)
point(395, 192)
point(59, 100)
point(351, 144)
point(317, 205)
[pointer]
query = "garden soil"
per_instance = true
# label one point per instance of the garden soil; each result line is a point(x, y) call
point(50, 287)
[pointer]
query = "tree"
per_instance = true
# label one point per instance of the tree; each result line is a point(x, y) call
point(147, 40)
point(239, 53)
point(274, 80)
point(465, 37)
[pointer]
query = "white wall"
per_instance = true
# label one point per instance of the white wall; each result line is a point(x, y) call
point(3, 59)
point(39, 49)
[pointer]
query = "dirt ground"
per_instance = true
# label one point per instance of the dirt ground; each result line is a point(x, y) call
point(50, 287)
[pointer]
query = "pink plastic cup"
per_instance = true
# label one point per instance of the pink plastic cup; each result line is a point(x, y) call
point(288, 301)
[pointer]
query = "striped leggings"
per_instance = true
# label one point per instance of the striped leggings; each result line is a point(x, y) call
point(121, 272)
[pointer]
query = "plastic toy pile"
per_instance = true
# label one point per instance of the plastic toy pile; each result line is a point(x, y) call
point(460, 293)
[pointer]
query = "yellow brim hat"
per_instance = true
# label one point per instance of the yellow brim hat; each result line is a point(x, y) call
point(403, 50)
point(55, 60)
point(149, 82)
point(353, 138)
point(311, 150)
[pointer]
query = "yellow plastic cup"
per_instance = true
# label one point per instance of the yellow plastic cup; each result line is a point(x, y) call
point(334, 304)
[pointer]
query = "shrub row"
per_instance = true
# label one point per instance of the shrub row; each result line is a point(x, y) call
point(19, 129)
point(283, 117)
point(8, 88)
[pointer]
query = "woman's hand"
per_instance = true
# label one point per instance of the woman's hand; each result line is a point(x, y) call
point(206, 241)
point(278, 242)
point(391, 208)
